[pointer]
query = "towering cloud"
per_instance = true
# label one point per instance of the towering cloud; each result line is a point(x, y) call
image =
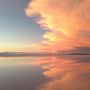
point(68, 22)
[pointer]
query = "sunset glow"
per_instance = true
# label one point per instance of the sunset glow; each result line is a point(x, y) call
point(44, 25)
point(68, 22)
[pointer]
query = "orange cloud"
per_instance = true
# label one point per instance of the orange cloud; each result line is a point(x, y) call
point(68, 22)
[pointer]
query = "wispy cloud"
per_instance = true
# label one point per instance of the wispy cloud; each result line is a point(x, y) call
point(68, 23)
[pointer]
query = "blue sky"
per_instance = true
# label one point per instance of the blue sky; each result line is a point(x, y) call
point(15, 26)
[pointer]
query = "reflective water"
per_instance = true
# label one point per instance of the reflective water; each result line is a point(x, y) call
point(45, 73)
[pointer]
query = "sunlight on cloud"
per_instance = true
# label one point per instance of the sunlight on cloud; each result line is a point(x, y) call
point(68, 22)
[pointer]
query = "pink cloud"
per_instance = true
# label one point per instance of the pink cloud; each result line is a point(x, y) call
point(68, 22)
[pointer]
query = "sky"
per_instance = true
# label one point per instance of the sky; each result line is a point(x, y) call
point(44, 25)
point(17, 31)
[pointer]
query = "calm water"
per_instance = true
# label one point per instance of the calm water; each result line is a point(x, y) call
point(45, 73)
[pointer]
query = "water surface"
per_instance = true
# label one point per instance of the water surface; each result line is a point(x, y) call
point(45, 73)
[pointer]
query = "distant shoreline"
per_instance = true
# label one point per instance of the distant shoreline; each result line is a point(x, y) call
point(38, 55)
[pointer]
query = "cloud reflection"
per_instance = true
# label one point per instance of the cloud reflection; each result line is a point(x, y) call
point(65, 73)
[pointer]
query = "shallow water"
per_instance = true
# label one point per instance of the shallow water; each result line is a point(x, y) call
point(45, 73)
